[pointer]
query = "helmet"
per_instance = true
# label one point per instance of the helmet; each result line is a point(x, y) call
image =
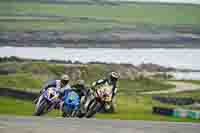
point(65, 77)
point(80, 85)
point(114, 75)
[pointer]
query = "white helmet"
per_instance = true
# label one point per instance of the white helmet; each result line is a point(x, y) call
point(114, 75)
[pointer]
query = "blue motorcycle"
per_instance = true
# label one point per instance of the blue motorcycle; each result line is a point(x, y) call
point(71, 104)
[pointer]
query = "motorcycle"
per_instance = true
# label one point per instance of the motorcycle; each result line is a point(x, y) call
point(47, 101)
point(102, 98)
point(84, 104)
point(71, 104)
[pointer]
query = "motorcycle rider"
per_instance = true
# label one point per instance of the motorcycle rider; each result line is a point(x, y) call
point(58, 84)
point(80, 88)
point(110, 81)
point(62, 83)
point(83, 93)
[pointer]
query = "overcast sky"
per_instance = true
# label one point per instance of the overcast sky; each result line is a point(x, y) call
point(171, 1)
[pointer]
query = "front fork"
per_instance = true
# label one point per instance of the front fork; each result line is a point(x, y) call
point(39, 101)
point(83, 104)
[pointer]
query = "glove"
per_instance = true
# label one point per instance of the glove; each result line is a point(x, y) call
point(93, 84)
point(90, 91)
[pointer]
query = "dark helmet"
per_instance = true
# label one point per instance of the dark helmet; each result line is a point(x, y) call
point(80, 85)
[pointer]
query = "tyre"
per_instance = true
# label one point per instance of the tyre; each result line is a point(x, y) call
point(93, 109)
point(65, 111)
point(41, 108)
point(74, 113)
point(64, 114)
point(80, 115)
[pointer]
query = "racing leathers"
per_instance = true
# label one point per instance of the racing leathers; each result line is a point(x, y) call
point(81, 90)
point(107, 82)
point(55, 83)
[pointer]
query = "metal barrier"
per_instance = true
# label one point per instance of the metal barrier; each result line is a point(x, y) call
point(175, 100)
point(163, 111)
point(19, 94)
point(179, 113)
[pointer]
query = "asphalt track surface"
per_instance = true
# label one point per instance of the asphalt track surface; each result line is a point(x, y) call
point(13, 124)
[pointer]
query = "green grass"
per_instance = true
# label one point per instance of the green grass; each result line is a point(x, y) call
point(138, 109)
point(130, 108)
point(24, 25)
point(21, 81)
point(12, 106)
point(158, 14)
point(127, 109)
point(123, 14)
point(130, 105)
point(15, 106)
point(94, 72)
point(36, 68)
point(142, 85)
point(28, 75)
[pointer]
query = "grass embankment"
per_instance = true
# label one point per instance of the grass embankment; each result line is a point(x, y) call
point(21, 81)
point(192, 94)
point(33, 75)
point(130, 105)
point(27, 75)
point(92, 17)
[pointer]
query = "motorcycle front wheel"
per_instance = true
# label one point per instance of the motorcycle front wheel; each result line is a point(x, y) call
point(93, 109)
point(40, 109)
